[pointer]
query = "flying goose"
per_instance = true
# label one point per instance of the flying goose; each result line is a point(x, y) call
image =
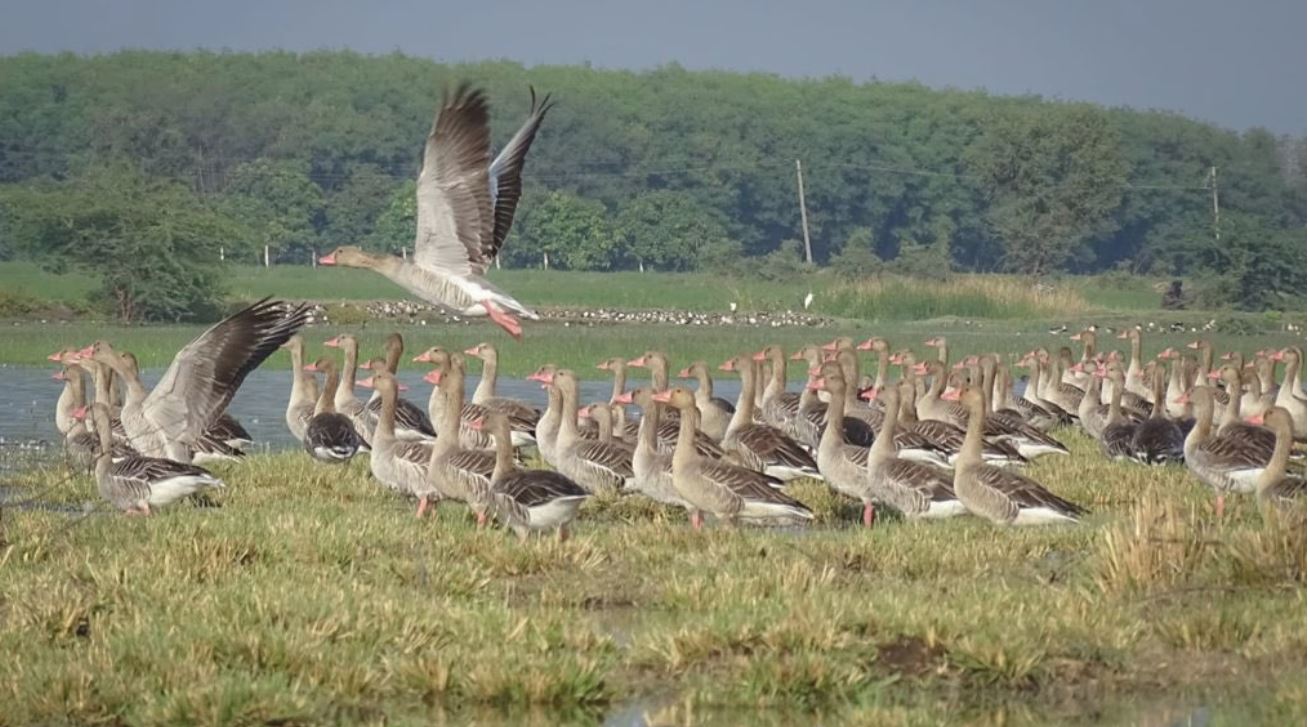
point(466, 205)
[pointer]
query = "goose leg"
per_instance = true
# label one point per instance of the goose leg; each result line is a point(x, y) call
point(481, 520)
point(696, 520)
point(503, 320)
point(1220, 508)
point(422, 506)
point(563, 533)
point(869, 514)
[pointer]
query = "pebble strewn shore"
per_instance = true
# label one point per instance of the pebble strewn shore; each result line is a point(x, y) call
point(424, 314)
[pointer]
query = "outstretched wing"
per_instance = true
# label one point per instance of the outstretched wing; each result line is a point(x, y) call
point(455, 222)
point(506, 172)
point(205, 375)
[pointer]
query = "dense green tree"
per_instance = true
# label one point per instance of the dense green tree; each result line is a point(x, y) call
point(319, 149)
point(1053, 177)
point(279, 203)
point(670, 230)
point(574, 233)
point(152, 242)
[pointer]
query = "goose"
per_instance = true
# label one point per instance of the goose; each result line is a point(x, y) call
point(1274, 483)
point(526, 500)
point(652, 469)
point(844, 467)
point(399, 464)
point(1200, 375)
point(1231, 423)
point(1224, 463)
point(715, 413)
point(103, 378)
point(469, 438)
point(596, 466)
point(345, 401)
point(855, 407)
point(946, 437)
point(1135, 383)
point(1042, 413)
point(521, 415)
point(942, 349)
point(1115, 440)
point(1056, 389)
point(617, 365)
point(170, 420)
point(1000, 495)
point(465, 209)
point(917, 490)
point(547, 429)
point(1289, 396)
point(728, 492)
point(1034, 414)
point(1080, 377)
point(80, 445)
point(330, 436)
point(810, 421)
point(761, 447)
point(1251, 389)
point(135, 483)
point(881, 347)
point(1176, 385)
point(411, 422)
point(454, 472)
point(657, 363)
point(602, 415)
point(304, 390)
point(1011, 426)
point(1158, 440)
point(1091, 414)
point(779, 407)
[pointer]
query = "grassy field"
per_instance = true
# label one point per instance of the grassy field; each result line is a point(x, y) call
point(313, 597)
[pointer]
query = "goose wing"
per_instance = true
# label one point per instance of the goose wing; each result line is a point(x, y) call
point(1024, 492)
point(205, 375)
point(531, 488)
point(773, 447)
point(505, 176)
point(610, 456)
point(455, 230)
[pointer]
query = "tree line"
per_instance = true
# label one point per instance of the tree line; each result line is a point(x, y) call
point(144, 164)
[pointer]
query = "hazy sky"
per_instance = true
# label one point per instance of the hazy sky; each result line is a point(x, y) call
point(1236, 63)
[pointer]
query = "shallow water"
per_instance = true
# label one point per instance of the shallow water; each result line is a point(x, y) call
point(28, 395)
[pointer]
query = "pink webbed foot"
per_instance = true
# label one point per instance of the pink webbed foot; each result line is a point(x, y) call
point(422, 506)
point(503, 320)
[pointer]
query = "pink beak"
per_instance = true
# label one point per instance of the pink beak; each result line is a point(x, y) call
point(865, 346)
point(602, 365)
point(471, 351)
point(366, 383)
point(58, 376)
point(312, 368)
point(1213, 376)
point(870, 394)
point(90, 351)
point(56, 356)
point(728, 365)
point(817, 383)
point(1256, 419)
point(329, 259)
point(637, 362)
point(623, 398)
point(952, 395)
point(79, 413)
point(333, 342)
point(760, 356)
point(663, 397)
point(433, 376)
point(920, 369)
point(424, 357)
point(684, 373)
point(829, 346)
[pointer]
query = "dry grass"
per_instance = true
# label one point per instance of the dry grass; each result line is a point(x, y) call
point(993, 297)
point(312, 596)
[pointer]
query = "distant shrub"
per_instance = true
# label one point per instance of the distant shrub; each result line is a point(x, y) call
point(347, 315)
point(975, 296)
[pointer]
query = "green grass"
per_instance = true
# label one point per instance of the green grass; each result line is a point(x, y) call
point(311, 596)
point(581, 347)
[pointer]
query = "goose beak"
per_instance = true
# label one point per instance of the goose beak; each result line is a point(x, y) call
point(684, 373)
point(432, 377)
point(602, 365)
point(58, 376)
point(920, 368)
point(311, 368)
point(817, 384)
point(1192, 344)
point(472, 351)
point(90, 351)
point(623, 398)
point(328, 259)
point(664, 396)
point(333, 342)
point(952, 395)
point(583, 413)
point(1214, 375)
point(366, 383)
point(1255, 419)
point(1183, 398)
point(870, 394)
point(865, 345)
point(56, 356)
point(637, 362)
point(760, 356)
point(829, 346)
point(728, 365)
point(79, 413)
point(424, 357)
point(1123, 335)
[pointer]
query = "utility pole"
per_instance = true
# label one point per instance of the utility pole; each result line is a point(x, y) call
point(803, 213)
point(1217, 213)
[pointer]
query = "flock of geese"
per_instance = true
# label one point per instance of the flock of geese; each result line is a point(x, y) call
point(941, 439)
